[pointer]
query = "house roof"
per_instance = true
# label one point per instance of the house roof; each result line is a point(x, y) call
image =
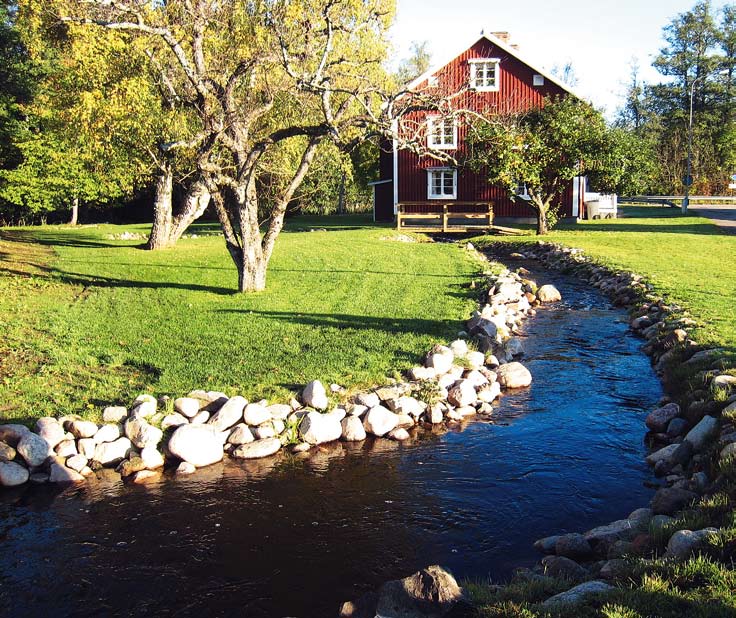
point(506, 48)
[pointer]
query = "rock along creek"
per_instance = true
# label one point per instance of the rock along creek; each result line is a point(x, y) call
point(295, 536)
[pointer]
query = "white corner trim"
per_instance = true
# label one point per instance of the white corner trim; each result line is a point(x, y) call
point(395, 129)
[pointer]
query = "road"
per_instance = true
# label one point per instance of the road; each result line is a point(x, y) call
point(722, 215)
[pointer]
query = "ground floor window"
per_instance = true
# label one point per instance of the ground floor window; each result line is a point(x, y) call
point(442, 183)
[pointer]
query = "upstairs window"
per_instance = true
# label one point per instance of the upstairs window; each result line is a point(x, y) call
point(442, 183)
point(484, 74)
point(441, 133)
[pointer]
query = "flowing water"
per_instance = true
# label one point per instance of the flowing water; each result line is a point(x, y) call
point(295, 536)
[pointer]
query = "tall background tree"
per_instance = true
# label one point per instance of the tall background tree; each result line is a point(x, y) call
point(79, 136)
point(698, 58)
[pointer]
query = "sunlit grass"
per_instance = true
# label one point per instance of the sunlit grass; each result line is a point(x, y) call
point(90, 320)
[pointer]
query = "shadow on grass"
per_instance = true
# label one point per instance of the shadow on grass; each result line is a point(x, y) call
point(364, 272)
point(631, 225)
point(99, 281)
point(394, 326)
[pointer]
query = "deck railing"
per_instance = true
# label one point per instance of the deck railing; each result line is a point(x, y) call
point(436, 216)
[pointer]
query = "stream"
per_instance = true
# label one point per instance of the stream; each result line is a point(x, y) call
point(296, 536)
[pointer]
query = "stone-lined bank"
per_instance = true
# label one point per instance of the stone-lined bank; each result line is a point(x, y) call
point(687, 438)
point(456, 383)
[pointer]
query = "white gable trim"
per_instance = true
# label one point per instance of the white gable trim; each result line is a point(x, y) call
point(506, 48)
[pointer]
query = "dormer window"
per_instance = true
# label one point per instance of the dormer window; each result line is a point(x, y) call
point(441, 133)
point(484, 74)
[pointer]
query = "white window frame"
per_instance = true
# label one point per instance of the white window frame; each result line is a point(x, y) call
point(537, 80)
point(431, 120)
point(473, 62)
point(442, 196)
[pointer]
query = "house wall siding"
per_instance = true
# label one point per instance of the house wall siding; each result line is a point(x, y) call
point(516, 93)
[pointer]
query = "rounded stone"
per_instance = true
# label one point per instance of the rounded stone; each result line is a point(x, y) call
point(317, 428)
point(107, 433)
point(11, 434)
point(141, 433)
point(187, 406)
point(255, 414)
point(12, 474)
point(399, 434)
point(173, 420)
point(352, 429)
point(573, 546)
point(257, 449)
point(114, 414)
point(7, 452)
point(200, 445)
point(83, 429)
point(658, 420)
point(110, 453)
point(462, 394)
point(50, 430)
point(33, 449)
point(548, 294)
point(77, 463)
point(315, 396)
point(229, 414)
point(152, 458)
point(513, 375)
point(186, 468)
point(379, 421)
point(61, 474)
point(240, 434)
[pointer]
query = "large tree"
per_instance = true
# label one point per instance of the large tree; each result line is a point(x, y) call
point(543, 148)
point(263, 75)
point(79, 135)
point(698, 61)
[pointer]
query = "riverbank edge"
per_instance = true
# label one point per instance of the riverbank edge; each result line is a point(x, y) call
point(694, 463)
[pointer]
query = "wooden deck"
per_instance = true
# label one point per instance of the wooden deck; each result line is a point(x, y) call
point(444, 216)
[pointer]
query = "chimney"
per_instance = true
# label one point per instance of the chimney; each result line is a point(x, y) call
point(504, 36)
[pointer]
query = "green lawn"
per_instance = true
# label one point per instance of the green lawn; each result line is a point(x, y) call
point(89, 320)
point(688, 259)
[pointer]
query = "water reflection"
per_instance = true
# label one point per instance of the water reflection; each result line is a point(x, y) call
point(295, 535)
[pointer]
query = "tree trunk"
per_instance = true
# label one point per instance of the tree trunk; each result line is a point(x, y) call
point(252, 274)
point(341, 196)
point(542, 226)
point(195, 203)
point(162, 215)
point(75, 211)
point(253, 261)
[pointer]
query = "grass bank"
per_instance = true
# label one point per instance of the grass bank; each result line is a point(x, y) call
point(687, 258)
point(90, 319)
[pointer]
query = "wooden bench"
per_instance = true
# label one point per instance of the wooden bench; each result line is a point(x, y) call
point(444, 216)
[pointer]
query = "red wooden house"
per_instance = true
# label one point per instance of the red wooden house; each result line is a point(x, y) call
point(488, 77)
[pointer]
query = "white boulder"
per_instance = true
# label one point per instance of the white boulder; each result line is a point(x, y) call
point(317, 428)
point(378, 421)
point(315, 396)
point(12, 474)
point(200, 445)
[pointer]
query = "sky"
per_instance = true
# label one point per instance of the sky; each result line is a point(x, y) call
point(600, 39)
